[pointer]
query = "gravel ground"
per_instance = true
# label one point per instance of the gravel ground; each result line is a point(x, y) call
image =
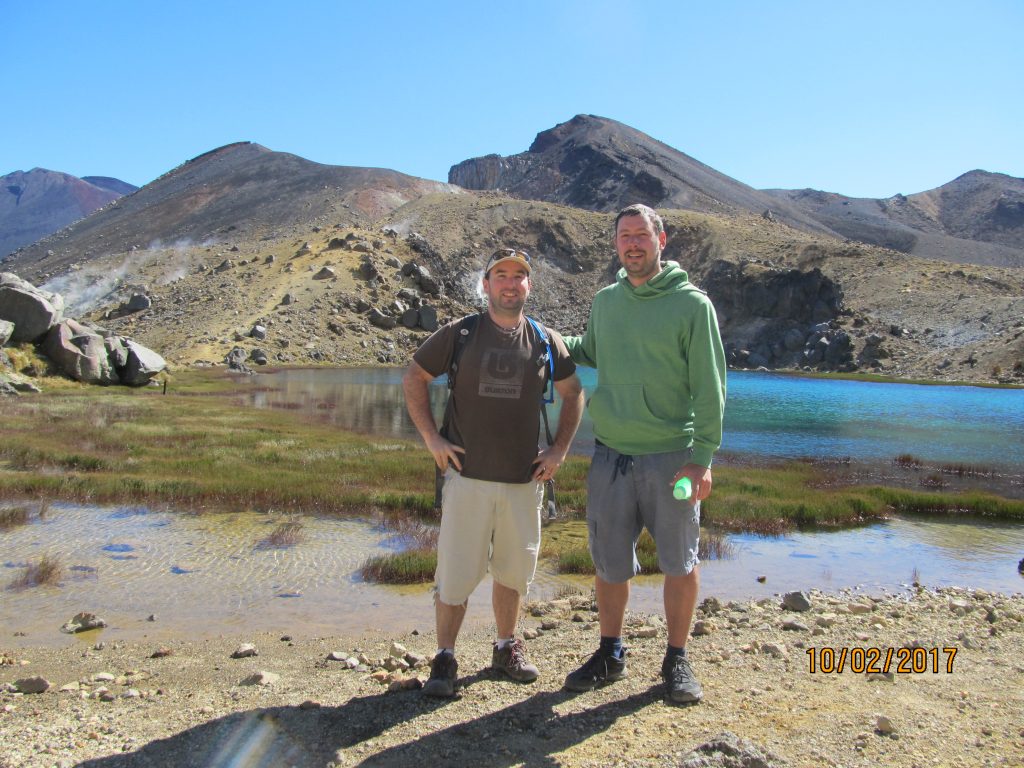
point(189, 703)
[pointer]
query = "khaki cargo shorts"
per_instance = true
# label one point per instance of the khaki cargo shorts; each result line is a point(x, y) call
point(486, 526)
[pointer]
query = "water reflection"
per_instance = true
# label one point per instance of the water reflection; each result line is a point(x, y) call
point(203, 575)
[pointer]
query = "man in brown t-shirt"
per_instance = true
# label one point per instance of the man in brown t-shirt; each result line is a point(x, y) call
point(494, 470)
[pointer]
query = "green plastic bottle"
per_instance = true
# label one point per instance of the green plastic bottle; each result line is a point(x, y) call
point(682, 489)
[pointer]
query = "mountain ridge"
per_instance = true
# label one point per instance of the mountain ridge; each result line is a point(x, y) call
point(334, 263)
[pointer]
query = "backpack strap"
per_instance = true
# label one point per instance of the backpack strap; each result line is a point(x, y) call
point(548, 393)
point(463, 330)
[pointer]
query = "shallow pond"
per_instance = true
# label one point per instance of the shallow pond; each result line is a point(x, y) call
point(202, 575)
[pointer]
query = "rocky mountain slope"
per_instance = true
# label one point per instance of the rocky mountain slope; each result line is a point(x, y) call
point(599, 164)
point(36, 203)
point(299, 263)
point(977, 218)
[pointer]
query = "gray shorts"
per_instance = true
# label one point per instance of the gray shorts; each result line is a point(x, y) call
point(626, 494)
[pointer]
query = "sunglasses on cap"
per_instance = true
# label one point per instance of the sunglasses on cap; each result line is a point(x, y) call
point(508, 254)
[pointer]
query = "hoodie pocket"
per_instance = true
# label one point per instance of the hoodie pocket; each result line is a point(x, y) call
point(620, 413)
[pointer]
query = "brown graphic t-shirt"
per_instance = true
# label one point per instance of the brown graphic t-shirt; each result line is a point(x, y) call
point(496, 401)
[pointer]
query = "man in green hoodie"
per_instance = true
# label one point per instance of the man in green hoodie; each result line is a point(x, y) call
point(657, 413)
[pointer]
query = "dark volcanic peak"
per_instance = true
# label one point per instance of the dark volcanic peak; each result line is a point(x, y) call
point(238, 191)
point(37, 203)
point(601, 165)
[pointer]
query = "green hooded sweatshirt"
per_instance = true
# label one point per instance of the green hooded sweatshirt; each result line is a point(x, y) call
point(660, 366)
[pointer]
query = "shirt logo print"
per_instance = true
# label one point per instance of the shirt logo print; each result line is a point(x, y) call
point(501, 374)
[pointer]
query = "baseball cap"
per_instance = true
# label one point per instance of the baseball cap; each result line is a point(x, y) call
point(522, 258)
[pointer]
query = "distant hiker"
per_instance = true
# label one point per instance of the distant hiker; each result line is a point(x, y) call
point(494, 473)
point(657, 412)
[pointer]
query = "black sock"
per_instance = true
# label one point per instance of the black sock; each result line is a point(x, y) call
point(612, 646)
point(674, 651)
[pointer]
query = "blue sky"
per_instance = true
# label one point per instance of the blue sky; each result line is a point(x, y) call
point(863, 98)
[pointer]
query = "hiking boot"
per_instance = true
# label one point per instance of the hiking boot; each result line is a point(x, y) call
point(512, 661)
point(681, 685)
point(444, 672)
point(599, 669)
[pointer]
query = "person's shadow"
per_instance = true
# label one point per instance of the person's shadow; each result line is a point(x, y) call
point(527, 732)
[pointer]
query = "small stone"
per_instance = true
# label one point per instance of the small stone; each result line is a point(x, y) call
point(261, 678)
point(244, 651)
point(32, 685)
point(161, 652)
point(796, 601)
point(884, 725)
point(397, 650)
point(702, 628)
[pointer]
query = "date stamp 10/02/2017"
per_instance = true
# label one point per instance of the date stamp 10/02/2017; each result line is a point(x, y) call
point(861, 660)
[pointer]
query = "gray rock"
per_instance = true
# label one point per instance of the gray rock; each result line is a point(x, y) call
point(288, 299)
point(117, 351)
point(259, 356)
point(411, 318)
point(325, 273)
point(79, 353)
point(235, 360)
point(137, 303)
point(258, 332)
point(430, 284)
point(381, 320)
point(796, 601)
point(32, 685)
point(244, 651)
point(32, 310)
point(428, 318)
point(143, 364)
point(6, 331)
point(82, 622)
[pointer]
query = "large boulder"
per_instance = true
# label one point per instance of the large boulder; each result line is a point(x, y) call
point(143, 364)
point(32, 310)
point(80, 353)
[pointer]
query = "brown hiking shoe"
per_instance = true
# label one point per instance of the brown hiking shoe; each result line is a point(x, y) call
point(444, 673)
point(512, 661)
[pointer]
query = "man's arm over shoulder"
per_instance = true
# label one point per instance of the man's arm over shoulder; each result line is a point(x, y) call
point(582, 349)
point(707, 374)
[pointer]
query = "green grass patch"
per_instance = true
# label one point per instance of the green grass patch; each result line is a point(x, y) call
point(413, 566)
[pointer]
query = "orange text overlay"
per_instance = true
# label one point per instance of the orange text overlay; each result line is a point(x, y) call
point(901, 661)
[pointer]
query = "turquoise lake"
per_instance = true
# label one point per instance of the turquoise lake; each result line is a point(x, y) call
point(769, 415)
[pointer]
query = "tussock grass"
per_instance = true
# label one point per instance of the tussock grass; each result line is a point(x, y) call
point(11, 517)
point(414, 566)
point(49, 570)
point(285, 534)
point(22, 514)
